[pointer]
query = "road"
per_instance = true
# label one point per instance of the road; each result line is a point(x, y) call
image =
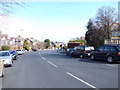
point(51, 69)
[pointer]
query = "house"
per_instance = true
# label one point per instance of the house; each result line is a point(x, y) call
point(19, 42)
point(115, 35)
point(4, 39)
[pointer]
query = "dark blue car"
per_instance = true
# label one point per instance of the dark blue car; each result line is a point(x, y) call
point(14, 54)
point(110, 53)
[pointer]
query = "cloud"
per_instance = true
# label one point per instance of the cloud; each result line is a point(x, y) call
point(42, 30)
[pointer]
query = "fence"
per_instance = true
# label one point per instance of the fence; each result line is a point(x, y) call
point(112, 41)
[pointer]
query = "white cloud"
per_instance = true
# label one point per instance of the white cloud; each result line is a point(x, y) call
point(42, 30)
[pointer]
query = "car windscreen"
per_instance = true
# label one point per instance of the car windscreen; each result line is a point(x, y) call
point(18, 50)
point(89, 48)
point(12, 52)
point(4, 54)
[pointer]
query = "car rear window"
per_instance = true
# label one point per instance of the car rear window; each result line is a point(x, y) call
point(4, 54)
point(89, 48)
point(19, 50)
point(12, 52)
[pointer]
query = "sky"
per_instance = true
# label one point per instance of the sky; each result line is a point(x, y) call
point(58, 21)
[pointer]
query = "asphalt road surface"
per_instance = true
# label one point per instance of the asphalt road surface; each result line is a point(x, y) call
point(51, 69)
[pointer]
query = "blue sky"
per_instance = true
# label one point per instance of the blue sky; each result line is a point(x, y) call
point(58, 21)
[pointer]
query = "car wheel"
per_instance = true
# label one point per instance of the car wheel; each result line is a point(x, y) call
point(92, 57)
point(110, 59)
point(10, 65)
point(81, 56)
point(16, 58)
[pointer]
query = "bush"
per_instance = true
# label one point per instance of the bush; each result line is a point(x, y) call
point(5, 48)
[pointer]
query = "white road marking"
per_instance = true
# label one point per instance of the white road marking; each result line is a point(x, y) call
point(82, 81)
point(39, 54)
point(110, 65)
point(43, 58)
point(52, 64)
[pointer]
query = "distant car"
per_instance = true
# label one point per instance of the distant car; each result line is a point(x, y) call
point(6, 58)
point(2, 73)
point(19, 51)
point(110, 53)
point(14, 54)
point(82, 51)
point(34, 49)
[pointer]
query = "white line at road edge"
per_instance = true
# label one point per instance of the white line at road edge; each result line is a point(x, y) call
point(52, 64)
point(110, 65)
point(39, 54)
point(82, 81)
point(43, 58)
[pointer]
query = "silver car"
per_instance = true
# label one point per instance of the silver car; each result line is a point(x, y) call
point(1, 69)
point(6, 58)
point(19, 51)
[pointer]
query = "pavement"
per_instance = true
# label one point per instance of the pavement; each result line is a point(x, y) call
point(51, 69)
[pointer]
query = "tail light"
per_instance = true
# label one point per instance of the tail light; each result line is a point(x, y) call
point(118, 53)
point(84, 51)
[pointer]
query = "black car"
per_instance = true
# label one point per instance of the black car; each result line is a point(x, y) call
point(14, 54)
point(82, 51)
point(69, 51)
point(108, 52)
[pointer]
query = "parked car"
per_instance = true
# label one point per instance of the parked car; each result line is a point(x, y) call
point(2, 73)
point(34, 49)
point(14, 54)
point(82, 51)
point(6, 58)
point(69, 51)
point(19, 51)
point(110, 53)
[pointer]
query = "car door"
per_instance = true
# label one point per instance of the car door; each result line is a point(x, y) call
point(106, 52)
point(99, 53)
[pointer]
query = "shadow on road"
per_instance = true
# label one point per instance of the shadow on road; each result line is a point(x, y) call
point(97, 61)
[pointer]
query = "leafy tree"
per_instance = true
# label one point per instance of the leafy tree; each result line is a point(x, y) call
point(93, 36)
point(26, 45)
point(47, 41)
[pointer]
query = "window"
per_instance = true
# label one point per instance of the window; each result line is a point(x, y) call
point(107, 48)
point(89, 48)
point(118, 48)
point(112, 48)
point(4, 54)
point(101, 49)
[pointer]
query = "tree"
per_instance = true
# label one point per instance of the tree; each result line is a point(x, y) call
point(106, 17)
point(93, 36)
point(6, 6)
point(47, 41)
point(100, 28)
point(26, 45)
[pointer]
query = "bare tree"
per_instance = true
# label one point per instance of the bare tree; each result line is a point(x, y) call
point(6, 6)
point(106, 17)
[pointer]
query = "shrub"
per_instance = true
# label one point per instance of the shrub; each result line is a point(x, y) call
point(5, 48)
